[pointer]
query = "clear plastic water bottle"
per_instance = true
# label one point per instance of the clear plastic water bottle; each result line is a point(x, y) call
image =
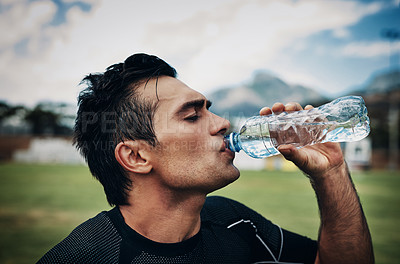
point(342, 120)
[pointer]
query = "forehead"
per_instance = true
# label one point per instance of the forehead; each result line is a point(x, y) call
point(170, 93)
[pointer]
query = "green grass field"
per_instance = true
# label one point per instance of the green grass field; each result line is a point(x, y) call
point(41, 204)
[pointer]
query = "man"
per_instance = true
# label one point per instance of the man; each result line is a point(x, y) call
point(158, 151)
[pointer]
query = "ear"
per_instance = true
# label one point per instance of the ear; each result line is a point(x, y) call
point(133, 156)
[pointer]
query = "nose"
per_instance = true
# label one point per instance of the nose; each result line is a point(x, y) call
point(219, 125)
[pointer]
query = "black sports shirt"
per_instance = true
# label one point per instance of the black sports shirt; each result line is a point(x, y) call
point(230, 233)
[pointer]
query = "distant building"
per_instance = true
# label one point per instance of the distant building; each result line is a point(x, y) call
point(358, 154)
point(29, 149)
point(49, 150)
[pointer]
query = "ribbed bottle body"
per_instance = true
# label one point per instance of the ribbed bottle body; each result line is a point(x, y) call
point(342, 120)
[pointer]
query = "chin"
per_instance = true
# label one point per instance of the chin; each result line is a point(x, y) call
point(235, 172)
point(230, 178)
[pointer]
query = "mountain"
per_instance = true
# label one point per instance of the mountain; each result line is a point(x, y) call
point(380, 83)
point(381, 94)
point(264, 90)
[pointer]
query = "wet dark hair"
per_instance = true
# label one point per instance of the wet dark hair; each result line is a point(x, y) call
point(110, 110)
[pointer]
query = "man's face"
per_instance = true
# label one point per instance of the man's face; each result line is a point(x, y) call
point(191, 154)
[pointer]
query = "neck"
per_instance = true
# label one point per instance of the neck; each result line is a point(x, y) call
point(163, 216)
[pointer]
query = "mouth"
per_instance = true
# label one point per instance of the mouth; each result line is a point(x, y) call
point(224, 148)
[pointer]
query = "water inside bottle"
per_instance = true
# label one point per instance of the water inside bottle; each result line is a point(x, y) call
point(345, 120)
point(259, 147)
point(265, 142)
point(256, 141)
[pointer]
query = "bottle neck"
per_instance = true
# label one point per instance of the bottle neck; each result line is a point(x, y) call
point(232, 142)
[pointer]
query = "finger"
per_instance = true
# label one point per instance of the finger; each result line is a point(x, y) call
point(293, 154)
point(278, 108)
point(286, 151)
point(292, 106)
point(308, 107)
point(265, 111)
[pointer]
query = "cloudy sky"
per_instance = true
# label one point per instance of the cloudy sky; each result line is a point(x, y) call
point(47, 46)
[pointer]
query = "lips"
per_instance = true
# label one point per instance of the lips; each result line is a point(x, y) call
point(224, 148)
point(224, 145)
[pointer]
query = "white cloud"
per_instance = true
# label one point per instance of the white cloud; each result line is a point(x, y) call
point(32, 75)
point(253, 34)
point(24, 19)
point(341, 33)
point(370, 49)
point(211, 43)
point(85, 1)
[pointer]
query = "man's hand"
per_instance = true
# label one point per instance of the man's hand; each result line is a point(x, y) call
point(313, 160)
point(344, 235)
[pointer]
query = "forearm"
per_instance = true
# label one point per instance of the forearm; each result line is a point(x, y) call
point(344, 235)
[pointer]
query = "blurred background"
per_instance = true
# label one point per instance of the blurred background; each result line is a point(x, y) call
point(242, 54)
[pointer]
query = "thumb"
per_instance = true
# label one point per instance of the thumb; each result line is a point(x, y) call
point(292, 154)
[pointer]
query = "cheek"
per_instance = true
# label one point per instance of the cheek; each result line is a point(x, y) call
point(186, 154)
point(193, 147)
point(184, 144)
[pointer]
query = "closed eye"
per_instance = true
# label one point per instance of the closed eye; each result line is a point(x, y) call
point(193, 118)
point(197, 105)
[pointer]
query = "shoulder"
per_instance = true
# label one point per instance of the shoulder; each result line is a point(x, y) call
point(93, 241)
point(251, 226)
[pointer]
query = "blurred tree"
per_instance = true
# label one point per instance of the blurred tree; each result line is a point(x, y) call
point(12, 119)
point(45, 119)
point(42, 121)
point(5, 111)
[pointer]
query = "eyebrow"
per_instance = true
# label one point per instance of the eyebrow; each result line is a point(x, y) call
point(194, 104)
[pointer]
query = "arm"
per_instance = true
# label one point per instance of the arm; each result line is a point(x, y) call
point(344, 235)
